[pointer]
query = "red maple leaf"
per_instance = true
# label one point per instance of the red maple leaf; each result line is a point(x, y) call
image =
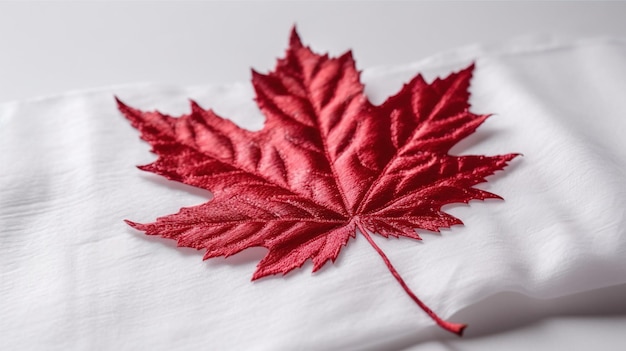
point(326, 163)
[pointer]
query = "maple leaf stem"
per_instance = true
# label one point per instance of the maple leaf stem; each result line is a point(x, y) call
point(456, 328)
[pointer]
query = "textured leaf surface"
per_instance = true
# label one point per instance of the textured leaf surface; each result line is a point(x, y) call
point(326, 163)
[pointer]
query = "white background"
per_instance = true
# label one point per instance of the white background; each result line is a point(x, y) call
point(50, 48)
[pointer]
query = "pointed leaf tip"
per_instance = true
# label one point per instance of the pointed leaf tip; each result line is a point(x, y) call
point(195, 107)
point(255, 73)
point(258, 274)
point(130, 113)
point(132, 224)
point(120, 104)
point(468, 71)
point(294, 38)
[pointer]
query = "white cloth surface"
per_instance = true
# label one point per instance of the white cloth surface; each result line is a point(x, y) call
point(73, 275)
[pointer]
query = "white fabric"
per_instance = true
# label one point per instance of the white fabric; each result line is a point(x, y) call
point(73, 275)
